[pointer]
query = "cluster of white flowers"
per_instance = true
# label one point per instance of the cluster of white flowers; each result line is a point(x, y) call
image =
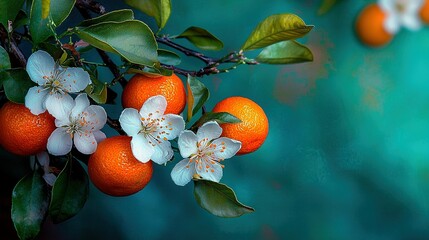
point(151, 130)
point(401, 13)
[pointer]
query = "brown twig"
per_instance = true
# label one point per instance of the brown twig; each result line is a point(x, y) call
point(16, 56)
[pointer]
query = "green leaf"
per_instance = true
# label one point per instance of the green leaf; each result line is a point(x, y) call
point(168, 57)
point(219, 117)
point(20, 20)
point(151, 72)
point(286, 52)
point(198, 94)
point(276, 28)
point(219, 199)
point(113, 16)
point(201, 38)
point(158, 9)
point(97, 91)
point(45, 8)
point(9, 10)
point(4, 59)
point(53, 49)
point(16, 85)
point(39, 26)
point(131, 39)
point(326, 6)
point(30, 201)
point(69, 192)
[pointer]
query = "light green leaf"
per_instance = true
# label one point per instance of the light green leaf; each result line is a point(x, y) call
point(326, 6)
point(168, 57)
point(69, 192)
point(131, 39)
point(30, 201)
point(198, 94)
point(9, 10)
point(201, 38)
point(219, 199)
point(219, 117)
point(276, 28)
point(158, 9)
point(97, 91)
point(46, 4)
point(16, 85)
point(113, 16)
point(151, 72)
point(59, 10)
point(286, 52)
point(4, 59)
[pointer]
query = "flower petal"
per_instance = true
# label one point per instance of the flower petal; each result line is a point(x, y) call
point(411, 21)
point(99, 136)
point(81, 103)
point(141, 148)
point(210, 171)
point(50, 178)
point(40, 66)
point(74, 79)
point(209, 130)
point(225, 147)
point(43, 158)
point(85, 142)
point(183, 171)
point(130, 121)
point(392, 25)
point(187, 143)
point(59, 143)
point(173, 125)
point(163, 152)
point(154, 107)
point(59, 105)
point(93, 118)
point(35, 100)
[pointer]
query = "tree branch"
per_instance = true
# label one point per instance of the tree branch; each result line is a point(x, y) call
point(16, 56)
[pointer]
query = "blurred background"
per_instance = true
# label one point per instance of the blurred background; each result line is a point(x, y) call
point(347, 155)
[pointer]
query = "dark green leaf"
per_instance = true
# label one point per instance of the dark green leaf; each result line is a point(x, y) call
point(219, 199)
point(20, 20)
point(198, 94)
point(131, 39)
point(30, 201)
point(286, 52)
point(158, 9)
point(17, 84)
point(201, 38)
point(9, 10)
point(69, 192)
point(276, 28)
point(219, 117)
point(168, 57)
point(4, 59)
point(58, 11)
point(113, 16)
point(97, 91)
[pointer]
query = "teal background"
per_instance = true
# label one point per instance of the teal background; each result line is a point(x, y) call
point(347, 152)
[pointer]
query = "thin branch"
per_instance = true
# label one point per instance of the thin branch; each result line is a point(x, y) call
point(115, 125)
point(188, 52)
point(16, 55)
point(91, 5)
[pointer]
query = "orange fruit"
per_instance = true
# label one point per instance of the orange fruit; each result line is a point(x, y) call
point(115, 171)
point(141, 87)
point(424, 12)
point(253, 128)
point(370, 26)
point(23, 133)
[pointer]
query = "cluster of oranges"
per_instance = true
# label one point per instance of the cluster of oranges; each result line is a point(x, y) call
point(370, 24)
point(112, 168)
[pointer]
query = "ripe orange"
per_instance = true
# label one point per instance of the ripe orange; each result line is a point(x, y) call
point(23, 133)
point(141, 87)
point(115, 171)
point(370, 26)
point(424, 12)
point(253, 128)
